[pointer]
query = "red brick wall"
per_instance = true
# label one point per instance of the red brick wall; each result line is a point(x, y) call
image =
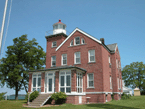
point(96, 98)
point(73, 81)
point(42, 81)
point(57, 81)
point(109, 98)
point(30, 82)
point(74, 99)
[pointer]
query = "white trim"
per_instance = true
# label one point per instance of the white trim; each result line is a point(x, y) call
point(82, 41)
point(99, 92)
point(53, 60)
point(77, 29)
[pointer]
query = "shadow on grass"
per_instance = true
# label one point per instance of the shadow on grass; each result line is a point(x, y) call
point(109, 106)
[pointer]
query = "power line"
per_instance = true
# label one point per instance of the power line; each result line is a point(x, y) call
point(6, 28)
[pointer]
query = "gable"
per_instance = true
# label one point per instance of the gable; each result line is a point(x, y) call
point(77, 29)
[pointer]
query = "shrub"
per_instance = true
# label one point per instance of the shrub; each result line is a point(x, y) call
point(32, 96)
point(2, 95)
point(112, 96)
point(59, 97)
point(125, 96)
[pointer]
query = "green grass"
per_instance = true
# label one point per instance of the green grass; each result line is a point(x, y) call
point(133, 103)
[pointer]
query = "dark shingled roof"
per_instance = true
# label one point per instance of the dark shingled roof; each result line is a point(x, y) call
point(112, 46)
point(58, 68)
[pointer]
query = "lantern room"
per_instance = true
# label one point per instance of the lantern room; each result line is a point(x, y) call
point(59, 27)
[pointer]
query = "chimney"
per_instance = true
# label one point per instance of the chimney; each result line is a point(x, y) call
point(102, 40)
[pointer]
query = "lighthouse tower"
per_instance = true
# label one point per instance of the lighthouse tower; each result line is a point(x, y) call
point(59, 27)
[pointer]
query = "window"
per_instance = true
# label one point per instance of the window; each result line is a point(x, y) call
point(118, 82)
point(65, 81)
point(116, 63)
point(53, 61)
point(79, 83)
point(91, 55)
point(83, 41)
point(77, 40)
point(110, 82)
point(109, 60)
point(77, 58)
point(54, 44)
point(36, 82)
point(71, 43)
point(90, 80)
point(64, 59)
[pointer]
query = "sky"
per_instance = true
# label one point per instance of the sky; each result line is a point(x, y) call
point(117, 21)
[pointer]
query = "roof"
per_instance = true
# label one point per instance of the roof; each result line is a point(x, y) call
point(55, 35)
point(77, 29)
point(112, 47)
point(58, 68)
point(59, 22)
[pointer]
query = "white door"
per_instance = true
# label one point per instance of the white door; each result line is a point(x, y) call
point(50, 88)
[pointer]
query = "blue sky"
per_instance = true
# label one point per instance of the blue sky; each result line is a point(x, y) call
point(118, 21)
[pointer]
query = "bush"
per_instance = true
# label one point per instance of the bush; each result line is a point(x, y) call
point(125, 96)
point(2, 95)
point(112, 96)
point(32, 96)
point(59, 97)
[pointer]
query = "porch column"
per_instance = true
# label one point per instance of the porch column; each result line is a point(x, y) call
point(57, 81)
point(30, 82)
point(84, 82)
point(73, 81)
point(42, 81)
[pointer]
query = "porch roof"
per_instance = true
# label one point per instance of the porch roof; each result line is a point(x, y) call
point(58, 68)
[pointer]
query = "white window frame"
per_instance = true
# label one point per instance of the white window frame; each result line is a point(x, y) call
point(71, 43)
point(77, 57)
point(118, 82)
point(37, 76)
point(82, 41)
point(53, 44)
point(110, 82)
point(90, 80)
point(90, 55)
point(63, 59)
point(75, 41)
point(53, 60)
point(116, 63)
point(109, 59)
point(80, 76)
point(65, 75)
point(46, 80)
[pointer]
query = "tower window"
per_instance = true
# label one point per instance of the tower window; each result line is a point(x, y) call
point(54, 44)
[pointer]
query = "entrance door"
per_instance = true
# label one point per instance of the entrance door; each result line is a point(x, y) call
point(50, 85)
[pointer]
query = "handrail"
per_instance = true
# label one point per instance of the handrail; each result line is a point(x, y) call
point(29, 96)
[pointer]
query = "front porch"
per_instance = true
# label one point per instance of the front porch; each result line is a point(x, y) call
point(67, 79)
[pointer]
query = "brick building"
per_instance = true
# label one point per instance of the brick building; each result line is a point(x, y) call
point(81, 66)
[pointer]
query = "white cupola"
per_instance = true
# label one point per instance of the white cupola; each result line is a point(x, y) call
point(59, 27)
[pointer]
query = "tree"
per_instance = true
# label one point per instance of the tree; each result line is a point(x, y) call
point(134, 75)
point(22, 56)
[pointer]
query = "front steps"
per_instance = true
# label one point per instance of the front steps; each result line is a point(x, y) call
point(40, 100)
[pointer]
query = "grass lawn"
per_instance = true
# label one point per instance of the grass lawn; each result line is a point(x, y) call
point(133, 103)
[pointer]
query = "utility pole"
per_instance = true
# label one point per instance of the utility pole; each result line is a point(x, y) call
point(3, 23)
